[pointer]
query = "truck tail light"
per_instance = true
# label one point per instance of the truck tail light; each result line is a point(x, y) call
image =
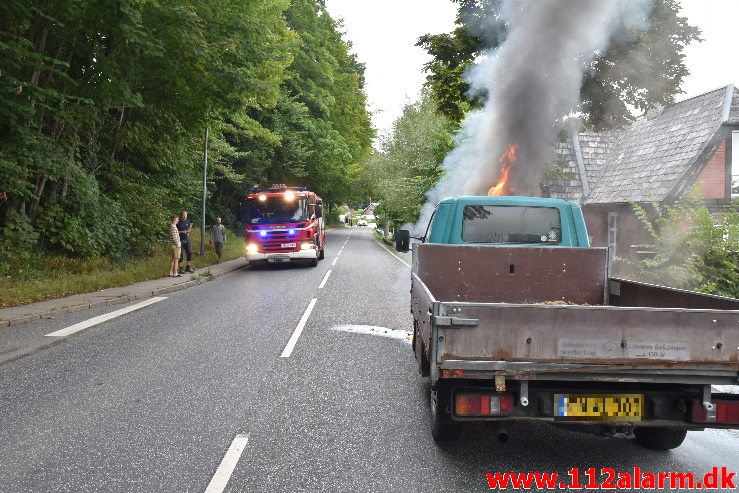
point(726, 412)
point(475, 403)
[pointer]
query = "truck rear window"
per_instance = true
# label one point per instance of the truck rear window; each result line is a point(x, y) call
point(511, 224)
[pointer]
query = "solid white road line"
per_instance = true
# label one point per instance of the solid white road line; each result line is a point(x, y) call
point(103, 318)
point(228, 464)
point(325, 278)
point(298, 330)
point(387, 249)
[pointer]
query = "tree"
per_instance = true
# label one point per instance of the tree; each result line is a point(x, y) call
point(639, 69)
point(321, 121)
point(104, 104)
point(409, 162)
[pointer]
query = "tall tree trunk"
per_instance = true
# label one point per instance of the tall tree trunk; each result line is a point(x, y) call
point(40, 185)
point(40, 46)
point(117, 135)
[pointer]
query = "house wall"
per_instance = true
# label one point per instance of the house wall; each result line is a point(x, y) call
point(712, 180)
point(630, 234)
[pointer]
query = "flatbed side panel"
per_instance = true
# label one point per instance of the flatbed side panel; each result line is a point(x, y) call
point(632, 293)
point(484, 274)
point(544, 333)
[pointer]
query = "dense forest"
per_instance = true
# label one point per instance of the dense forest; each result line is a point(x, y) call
point(104, 106)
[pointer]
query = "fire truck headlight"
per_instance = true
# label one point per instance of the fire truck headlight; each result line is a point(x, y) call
point(289, 196)
point(252, 248)
point(307, 246)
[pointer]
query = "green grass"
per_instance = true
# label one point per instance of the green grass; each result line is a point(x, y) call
point(43, 277)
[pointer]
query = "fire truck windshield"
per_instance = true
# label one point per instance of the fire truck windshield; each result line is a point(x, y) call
point(276, 210)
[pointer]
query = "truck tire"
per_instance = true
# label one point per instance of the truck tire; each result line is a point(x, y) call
point(321, 254)
point(424, 368)
point(443, 429)
point(660, 438)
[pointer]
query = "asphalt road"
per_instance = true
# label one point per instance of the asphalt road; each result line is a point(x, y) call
point(288, 379)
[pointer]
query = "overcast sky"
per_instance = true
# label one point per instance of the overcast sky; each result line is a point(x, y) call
point(383, 34)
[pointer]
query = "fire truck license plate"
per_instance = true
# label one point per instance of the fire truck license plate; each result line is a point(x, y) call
point(278, 258)
point(288, 245)
point(599, 407)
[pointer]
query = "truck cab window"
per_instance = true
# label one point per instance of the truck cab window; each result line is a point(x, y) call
point(511, 225)
point(276, 210)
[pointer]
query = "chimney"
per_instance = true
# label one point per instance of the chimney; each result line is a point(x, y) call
point(654, 112)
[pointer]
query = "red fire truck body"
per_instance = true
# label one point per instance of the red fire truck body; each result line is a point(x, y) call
point(283, 224)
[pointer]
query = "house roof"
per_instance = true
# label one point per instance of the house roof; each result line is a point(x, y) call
point(595, 149)
point(658, 157)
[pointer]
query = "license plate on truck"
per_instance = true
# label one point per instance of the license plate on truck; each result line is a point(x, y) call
point(599, 407)
point(278, 258)
point(288, 245)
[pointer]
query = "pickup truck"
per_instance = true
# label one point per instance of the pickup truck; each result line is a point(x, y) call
point(515, 317)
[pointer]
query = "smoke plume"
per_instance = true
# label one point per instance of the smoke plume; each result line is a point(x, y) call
point(532, 81)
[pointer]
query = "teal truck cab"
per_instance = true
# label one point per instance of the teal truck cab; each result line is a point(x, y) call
point(508, 220)
point(516, 318)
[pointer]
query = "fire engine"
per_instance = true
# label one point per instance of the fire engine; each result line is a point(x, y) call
point(283, 224)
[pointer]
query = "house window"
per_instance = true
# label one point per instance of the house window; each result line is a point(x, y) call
point(734, 164)
point(612, 232)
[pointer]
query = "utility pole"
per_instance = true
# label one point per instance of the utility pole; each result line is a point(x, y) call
point(205, 189)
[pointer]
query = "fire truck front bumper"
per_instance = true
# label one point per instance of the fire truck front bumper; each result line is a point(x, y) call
point(304, 255)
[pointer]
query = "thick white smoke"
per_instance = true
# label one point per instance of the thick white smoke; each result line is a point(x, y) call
point(532, 81)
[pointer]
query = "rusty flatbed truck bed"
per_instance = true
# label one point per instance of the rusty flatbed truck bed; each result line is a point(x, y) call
point(542, 333)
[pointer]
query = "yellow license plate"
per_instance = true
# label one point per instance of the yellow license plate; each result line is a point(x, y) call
point(599, 407)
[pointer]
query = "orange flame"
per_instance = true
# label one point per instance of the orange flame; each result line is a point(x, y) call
point(499, 188)
point(507, 160)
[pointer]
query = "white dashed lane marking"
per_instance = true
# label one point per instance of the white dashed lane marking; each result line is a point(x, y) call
point(103, 318)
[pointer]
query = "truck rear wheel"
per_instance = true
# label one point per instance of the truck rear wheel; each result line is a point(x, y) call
point(660, 438)
point(443, 429)
point(424, 367)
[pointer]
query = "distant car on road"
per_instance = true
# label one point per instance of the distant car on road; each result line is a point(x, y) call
point(362, 223)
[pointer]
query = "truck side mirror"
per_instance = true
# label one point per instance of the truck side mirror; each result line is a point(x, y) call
point(402, 240)
point(318, 208)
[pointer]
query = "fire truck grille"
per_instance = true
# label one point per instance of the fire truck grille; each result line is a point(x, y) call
point(282, 236)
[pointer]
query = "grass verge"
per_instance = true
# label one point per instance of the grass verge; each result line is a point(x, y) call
point(43, 277)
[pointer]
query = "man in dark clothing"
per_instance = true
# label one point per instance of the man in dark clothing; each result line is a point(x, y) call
point(184, 227)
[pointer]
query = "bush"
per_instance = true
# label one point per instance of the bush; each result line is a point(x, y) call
point(695, 249)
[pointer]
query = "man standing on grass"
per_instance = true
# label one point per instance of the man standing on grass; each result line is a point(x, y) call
point(174, 243)
point(184, 227)
point(218, 237)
